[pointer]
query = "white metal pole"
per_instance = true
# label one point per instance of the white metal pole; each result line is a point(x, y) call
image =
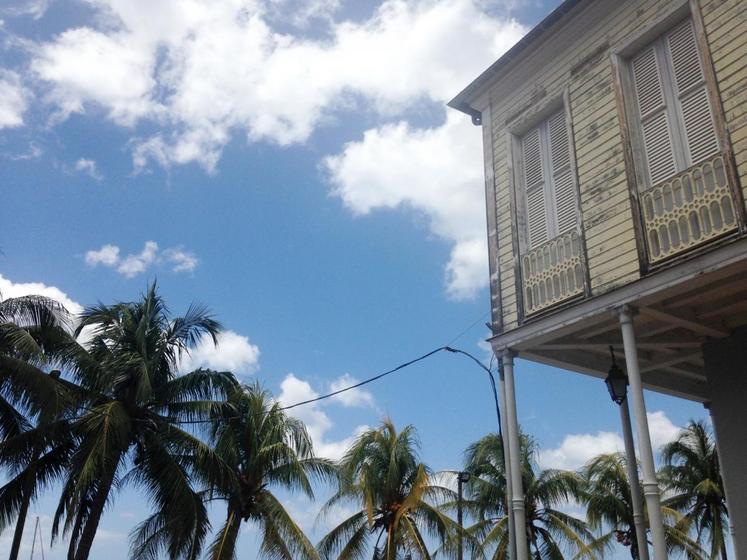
point(635, 485)
point(507, 467)
point(732, 531)
point(650, 485)
point(517, 491)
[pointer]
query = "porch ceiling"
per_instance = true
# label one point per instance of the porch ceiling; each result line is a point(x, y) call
point(673, 320)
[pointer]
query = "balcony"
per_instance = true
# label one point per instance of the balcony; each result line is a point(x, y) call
point(688, 210)
point(552, 273)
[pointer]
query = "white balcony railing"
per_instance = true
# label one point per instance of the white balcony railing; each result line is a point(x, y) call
point(688, 210)
point(552, 273)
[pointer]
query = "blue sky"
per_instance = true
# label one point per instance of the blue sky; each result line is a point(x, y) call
point(293, 166)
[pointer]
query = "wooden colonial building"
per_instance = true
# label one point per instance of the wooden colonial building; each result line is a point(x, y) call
point(615, 142)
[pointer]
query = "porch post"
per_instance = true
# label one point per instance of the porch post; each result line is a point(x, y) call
point(650, 485)
point(507, 467)
point(517, 491)
point(635, 486)
point(732, 531)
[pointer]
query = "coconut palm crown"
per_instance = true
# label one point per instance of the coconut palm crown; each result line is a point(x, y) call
point(132, 404)
point(691, 473)
point(393, 491)
point(550, 532)
point(265, 449)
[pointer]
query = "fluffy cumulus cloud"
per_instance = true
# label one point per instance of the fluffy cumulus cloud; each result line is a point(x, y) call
point(318, 423)
point(577, 449)
point(10, 289)
point(129, 266)
point(233, 352)
point(13, 99)
point(351, 397)
point(437, 172)
point(204, 71)
point(661, 428)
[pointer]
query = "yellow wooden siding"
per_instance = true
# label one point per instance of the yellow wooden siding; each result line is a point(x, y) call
point(584, 71)
point(726, 31)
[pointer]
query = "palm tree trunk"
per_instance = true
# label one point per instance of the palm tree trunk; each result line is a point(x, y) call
point(723, 552)
point(28, 489)
point(20, 523)
point(97, 508)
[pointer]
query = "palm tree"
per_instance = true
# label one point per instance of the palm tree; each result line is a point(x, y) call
point(382, 475)
point(264, 449)
point(549, 531)
point(31, 329)
point(609, 507)
point(692, 474)
point(129, 428)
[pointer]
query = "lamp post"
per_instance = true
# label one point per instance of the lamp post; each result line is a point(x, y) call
point(462, 478)
point(617, 385)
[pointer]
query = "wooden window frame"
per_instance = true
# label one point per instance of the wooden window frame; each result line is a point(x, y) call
point(620, 56)
point(515, 129)
point(515, 133)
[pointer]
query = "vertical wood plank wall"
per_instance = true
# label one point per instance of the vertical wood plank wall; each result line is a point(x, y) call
point(585, 70)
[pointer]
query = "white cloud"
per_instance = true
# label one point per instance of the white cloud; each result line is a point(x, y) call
point(201, 69)
point(34, 8)
point(131, 265)
point(182, 261)
point(10, 289)
point(577, 449)
point(661, 428)
point(111, 70)
point(233, 353)
point(89, 167)
point(108, 255)
point(437, 172)
point(353, 397)
point(318, 423)
point(13, 99)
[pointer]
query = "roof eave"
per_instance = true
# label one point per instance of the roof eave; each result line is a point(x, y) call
point(465, 99)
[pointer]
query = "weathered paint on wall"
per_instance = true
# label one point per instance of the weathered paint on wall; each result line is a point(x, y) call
point(726, 30)
point(575, 61)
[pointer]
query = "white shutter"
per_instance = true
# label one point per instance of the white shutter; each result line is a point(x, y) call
point(695, 107)
point(564, 190)
point(534, 187)
point(657, 139)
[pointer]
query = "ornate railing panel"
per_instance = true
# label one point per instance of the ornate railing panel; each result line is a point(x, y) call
point(552, 272)
point(688, 210)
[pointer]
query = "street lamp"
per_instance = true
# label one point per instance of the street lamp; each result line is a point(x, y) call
point(462, 478)
point(616, 381)
point(617, 385)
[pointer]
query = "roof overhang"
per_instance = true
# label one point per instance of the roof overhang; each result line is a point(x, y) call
point(465, 100)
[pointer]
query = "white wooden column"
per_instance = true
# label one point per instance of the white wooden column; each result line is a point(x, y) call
point(635, 486)
point(514, 452)
point(650, 485)
point(507, 467)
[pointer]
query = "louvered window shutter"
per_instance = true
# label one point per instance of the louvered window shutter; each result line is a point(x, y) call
point(689, 85)
point(534, 187)
point(652, 108)
point(564, 191)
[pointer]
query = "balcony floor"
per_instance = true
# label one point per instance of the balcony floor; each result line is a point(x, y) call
point(678, 308)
